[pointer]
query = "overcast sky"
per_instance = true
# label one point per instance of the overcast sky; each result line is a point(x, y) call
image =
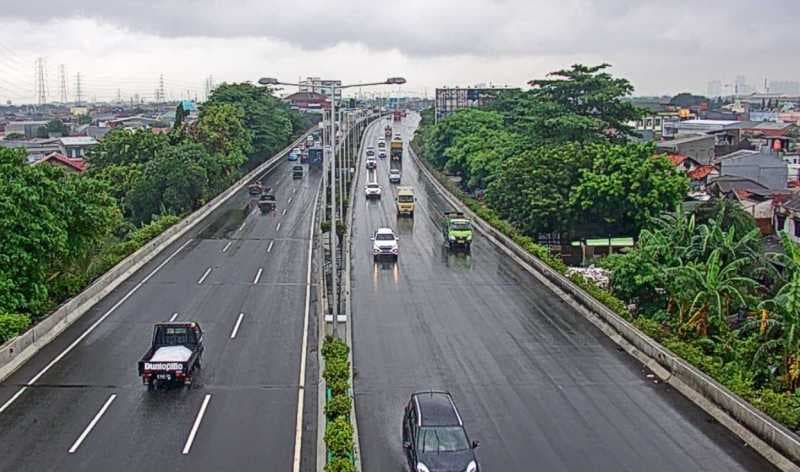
point(123, 46)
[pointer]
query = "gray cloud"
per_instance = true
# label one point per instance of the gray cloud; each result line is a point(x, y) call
point(425, 28)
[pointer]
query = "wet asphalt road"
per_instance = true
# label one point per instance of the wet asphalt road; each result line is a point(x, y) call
point(537, 384)
point(252, 379)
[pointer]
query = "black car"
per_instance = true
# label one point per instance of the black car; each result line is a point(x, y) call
point(434, 438)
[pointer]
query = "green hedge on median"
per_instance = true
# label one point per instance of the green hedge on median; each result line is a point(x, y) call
point(338, 429)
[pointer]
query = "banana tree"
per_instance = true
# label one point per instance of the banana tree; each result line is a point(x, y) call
point(715, 288)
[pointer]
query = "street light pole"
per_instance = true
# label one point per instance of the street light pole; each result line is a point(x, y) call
point(269, 81)
point(334, 297)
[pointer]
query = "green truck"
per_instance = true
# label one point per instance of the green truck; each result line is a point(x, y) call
point(457, 230)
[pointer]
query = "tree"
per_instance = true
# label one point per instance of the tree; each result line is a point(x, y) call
point(85, 119)
point(715, 289)
point(172, 182)
point(583, 104)
point(125, 147)
point(623, 188)
point(532, 190)
point(221, 129)
point(779, 326)
point(463, 123)
point(686, 100)
point(48, 219)
point(265, 116)
point(56, 127)
point(14, 137)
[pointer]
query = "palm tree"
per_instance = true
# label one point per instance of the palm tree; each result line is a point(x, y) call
point(714, 287)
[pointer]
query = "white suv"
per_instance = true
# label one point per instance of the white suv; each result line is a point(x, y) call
point(384, 244)
point(372, 189)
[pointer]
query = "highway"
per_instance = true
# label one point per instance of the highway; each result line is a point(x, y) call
point(243, 277)
point(538, 385)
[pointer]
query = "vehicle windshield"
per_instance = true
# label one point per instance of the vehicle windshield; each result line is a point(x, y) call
point(442, 439)
point(460, 226)
point(384, 237)
point(372, 185)
point(405, 198)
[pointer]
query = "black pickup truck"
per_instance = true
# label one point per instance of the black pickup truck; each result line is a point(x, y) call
point(174, 354)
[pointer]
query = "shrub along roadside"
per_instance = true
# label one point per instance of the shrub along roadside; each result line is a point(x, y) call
point(783, 407)
point(338, 429)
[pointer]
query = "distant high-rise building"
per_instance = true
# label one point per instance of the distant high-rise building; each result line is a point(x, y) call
point(742, 87)
point(785, 87)
point(715, 88)
point(324, 87)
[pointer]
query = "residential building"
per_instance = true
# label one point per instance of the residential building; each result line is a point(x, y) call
point(35, 149)
point(699, 174)
point(96, 132)
point(763, 167)
point(793, 164)
point(68, 163)
point(309, 101)
point(787, 217)
point(137, 122)
point(754, 198)
point(76, 146)
point(762, 115)
point(784, 117)
point(29, 129)
point(699, 147)
point(324, 87)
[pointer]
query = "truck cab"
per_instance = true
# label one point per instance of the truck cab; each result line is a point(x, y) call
point(405, 201)
point(174, 354)
point(457, 231)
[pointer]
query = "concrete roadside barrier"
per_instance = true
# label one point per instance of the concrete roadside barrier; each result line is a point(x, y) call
point(20, 349)
point(771, 439)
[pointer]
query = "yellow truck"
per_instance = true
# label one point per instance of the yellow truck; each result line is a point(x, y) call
point(405, 201)
point(396, 148)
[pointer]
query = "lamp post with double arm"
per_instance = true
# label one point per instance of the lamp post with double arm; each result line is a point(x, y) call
point(269, 81)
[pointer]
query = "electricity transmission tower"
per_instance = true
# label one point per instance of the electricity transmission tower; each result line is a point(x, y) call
point(41, 83)
point(62, 79)
point(78, 91)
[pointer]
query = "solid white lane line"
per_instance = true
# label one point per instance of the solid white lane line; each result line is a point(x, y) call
point(203, 278)
point(188, 446)
point(174, 315)
point(258, 275)
point(236, 327)
point(92, 424)
point(227, 246)
point(283, 212)
point(278, 228)
point(298, 435)
point(91, 328)
point(269, 248)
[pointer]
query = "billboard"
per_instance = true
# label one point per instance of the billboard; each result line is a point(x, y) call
point(449, 100)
